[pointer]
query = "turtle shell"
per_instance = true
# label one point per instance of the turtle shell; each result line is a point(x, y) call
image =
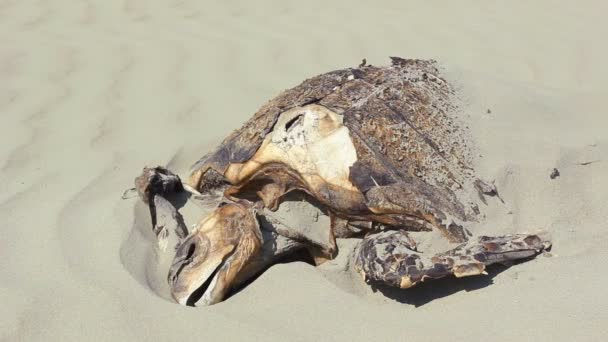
point(410, 148)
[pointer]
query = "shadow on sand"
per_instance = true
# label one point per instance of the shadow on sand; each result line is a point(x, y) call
point(426, 293)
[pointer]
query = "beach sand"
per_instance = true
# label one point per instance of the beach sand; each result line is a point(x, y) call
point(90, 92)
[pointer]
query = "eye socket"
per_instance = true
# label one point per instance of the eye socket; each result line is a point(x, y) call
point(291, 123)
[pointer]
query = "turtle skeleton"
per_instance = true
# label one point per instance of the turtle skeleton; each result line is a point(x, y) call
point(368, 152)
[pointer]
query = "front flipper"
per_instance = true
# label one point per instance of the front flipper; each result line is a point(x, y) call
point(154, 186)
point(385, 257)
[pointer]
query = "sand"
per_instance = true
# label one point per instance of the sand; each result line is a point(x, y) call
point(92, 91)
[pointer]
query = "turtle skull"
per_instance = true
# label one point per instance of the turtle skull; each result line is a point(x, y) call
point(208, 262)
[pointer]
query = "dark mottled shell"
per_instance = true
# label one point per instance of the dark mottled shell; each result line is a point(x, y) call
point(401, 122)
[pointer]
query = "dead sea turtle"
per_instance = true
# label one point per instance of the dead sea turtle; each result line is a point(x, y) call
point(374, 151)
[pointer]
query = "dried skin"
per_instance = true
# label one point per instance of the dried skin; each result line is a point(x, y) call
point(153, 185)
point(156, 180)
point(220, 246)
point(388, 258)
